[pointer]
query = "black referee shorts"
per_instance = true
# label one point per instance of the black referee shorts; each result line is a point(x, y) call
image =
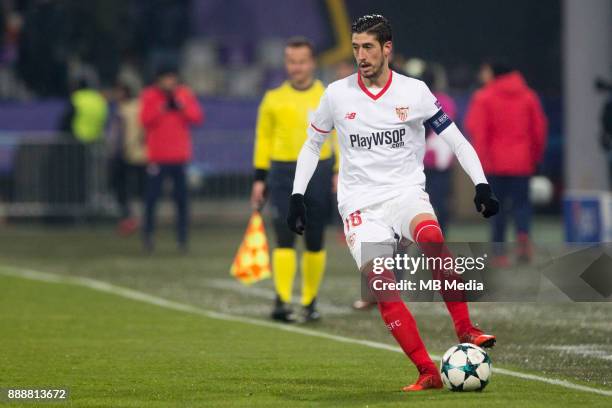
point(317, 198)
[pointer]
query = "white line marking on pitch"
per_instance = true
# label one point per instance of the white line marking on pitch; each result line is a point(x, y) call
point(169, 304)
point(599, 351)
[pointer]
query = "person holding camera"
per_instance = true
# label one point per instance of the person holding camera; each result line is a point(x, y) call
point(509, 129)
point(168, 109)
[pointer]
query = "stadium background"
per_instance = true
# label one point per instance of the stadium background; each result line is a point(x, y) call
point(229, 52)
point(230, 69)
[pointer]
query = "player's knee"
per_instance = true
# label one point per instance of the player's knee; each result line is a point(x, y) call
point(428, 231)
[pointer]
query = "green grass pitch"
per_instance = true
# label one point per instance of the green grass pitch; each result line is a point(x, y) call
point(113, 351)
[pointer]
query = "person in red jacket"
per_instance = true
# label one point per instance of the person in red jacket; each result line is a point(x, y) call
point(168, 109)
point(508, 129)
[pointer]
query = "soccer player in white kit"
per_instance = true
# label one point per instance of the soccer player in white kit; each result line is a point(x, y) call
point(380, 117)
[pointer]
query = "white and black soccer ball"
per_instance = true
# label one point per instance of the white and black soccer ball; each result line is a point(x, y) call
point(465, 367)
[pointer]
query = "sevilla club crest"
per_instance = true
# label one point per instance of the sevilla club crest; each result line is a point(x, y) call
point(402, 113)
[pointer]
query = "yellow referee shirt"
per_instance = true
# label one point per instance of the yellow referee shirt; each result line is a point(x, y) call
point(282, 121)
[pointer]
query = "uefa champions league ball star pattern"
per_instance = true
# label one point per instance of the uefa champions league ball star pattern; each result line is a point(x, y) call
point(465, 367)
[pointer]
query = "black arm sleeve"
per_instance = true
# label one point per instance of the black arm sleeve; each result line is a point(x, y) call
point(260, 174)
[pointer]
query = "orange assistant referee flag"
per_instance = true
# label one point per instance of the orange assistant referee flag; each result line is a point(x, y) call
point(252, 261)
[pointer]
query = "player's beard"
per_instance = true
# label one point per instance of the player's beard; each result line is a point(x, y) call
point(376, 72)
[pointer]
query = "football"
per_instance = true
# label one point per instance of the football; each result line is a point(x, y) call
point(465, 367)
point(541, 190)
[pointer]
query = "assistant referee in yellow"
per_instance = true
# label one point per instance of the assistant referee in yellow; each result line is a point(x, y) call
point(281, 131)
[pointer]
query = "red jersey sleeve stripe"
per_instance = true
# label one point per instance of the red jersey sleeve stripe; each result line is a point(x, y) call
point(319, 130)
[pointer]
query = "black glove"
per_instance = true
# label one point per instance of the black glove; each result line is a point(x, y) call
point(171, 103)
point(485, 200)
point(296, 219)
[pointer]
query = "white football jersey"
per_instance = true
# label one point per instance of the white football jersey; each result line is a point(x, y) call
point(381, 136)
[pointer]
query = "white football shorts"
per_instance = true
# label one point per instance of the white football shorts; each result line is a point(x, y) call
point(373, 231)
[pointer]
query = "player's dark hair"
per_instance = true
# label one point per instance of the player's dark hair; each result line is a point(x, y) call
point(300, 41)
point(374, 24)
point(82, 83)
point(166, 69)
point(499, 66)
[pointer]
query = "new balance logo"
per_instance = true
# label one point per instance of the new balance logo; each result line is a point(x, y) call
point(350, 115)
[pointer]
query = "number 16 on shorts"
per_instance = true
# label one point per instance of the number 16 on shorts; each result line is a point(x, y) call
point(353, 220)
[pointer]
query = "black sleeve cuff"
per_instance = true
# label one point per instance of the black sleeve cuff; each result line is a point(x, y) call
point(297, 199)
point(261, 174)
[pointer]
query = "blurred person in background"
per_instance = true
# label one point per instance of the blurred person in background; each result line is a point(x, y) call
point(167, 110)
point(82, 125)
point(127, 155)
point(281, 131)
point(86, 113)
point(438, 154)
point(508, 128)
point(402, 65)
point(606, 124)
point(343, 69)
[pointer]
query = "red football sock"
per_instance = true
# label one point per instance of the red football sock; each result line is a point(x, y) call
point(401, 323)
point(461, 316)
point(428, 235)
